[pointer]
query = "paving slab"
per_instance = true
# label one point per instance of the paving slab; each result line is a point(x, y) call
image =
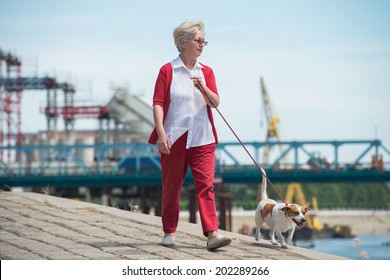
point(37, 226)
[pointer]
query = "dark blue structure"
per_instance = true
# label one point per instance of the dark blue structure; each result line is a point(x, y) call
point(138, 164)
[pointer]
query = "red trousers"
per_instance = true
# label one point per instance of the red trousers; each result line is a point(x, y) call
point(174, 166)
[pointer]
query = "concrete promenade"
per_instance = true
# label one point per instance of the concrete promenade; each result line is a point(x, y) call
point(37, 226)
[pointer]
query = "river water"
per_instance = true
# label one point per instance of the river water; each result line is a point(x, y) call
point(364, 246)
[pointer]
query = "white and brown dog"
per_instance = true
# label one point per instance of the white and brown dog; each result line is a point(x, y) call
point(280, 217)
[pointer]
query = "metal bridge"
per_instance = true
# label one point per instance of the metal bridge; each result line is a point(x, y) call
point(123, 165)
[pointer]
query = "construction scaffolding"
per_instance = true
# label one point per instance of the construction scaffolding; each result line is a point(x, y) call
point(132, 117)
point(10, 100)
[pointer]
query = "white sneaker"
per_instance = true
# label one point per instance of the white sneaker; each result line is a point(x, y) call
point(218, 242)
point(168, 241)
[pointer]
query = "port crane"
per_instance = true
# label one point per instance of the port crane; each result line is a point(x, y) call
point(272, 133)
point(272, 120)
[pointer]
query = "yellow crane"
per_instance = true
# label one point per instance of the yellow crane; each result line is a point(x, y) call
point(272, 120)
point(293, 189)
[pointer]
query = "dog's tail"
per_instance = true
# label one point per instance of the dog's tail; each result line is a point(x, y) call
point(264, 186)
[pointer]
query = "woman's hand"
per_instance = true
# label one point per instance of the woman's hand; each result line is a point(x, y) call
point(210, 97)
point(164, 145)
point(197, 83)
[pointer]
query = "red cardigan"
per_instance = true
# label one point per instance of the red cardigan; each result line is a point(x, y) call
point(162, 94)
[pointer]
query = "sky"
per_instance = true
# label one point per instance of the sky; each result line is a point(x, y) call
point(326, 64)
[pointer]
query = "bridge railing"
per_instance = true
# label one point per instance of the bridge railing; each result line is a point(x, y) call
point(314, 154)
point(140, 162)
point(79, 159)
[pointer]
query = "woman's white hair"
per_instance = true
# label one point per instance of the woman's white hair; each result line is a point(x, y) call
point(186, 31)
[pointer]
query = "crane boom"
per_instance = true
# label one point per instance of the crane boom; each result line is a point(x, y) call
point(266, 101)
point(272, 121)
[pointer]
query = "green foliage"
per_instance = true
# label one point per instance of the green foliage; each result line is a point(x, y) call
point(329, 195)
point(184, 204)
point(247, 205)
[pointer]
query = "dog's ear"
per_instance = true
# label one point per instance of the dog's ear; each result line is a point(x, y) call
point(285, 209)
point(305, 209)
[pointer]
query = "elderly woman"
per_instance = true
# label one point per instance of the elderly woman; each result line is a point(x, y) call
point(184, 94)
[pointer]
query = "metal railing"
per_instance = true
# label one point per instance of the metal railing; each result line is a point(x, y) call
point(138, 164)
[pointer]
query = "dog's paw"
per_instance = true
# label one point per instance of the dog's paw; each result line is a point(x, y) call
point(284, 246)
point(288, 240)
point(258, 234)
point(274, 242)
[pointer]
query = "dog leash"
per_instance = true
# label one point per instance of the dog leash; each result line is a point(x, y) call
point(203, 91)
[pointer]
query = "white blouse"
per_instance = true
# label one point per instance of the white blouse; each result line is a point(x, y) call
point(187, 109)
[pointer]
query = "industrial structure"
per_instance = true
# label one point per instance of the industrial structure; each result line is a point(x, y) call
point(10, 98)
point(128, 113)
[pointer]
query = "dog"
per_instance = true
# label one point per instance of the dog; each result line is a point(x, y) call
point(280, 217)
